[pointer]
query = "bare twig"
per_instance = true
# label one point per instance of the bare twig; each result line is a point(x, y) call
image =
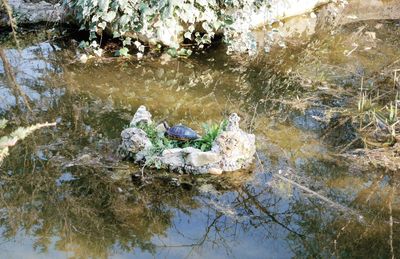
point(13, 23)
point(12, 80)
point(319, 196)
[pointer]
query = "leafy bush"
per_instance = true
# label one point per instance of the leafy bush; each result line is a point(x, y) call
point(168, 21)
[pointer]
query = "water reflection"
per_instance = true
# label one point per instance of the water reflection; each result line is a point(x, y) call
point(63, 191)
point(25, 75)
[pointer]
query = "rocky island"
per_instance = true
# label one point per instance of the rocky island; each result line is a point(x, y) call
point(230, 148)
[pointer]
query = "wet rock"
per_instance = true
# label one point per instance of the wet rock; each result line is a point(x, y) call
point(141, 115)
point(313, 119)
point(341, 132)
point(134, 140)
point(198, 159)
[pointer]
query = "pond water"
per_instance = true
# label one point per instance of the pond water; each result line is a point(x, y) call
point(65, 194)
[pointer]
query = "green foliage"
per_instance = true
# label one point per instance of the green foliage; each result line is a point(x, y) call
point(211, 132)
point(166, 21)
point(161, 143)
point(377, 114)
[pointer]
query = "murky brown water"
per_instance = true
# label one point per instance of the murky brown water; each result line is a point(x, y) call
point(64, 194)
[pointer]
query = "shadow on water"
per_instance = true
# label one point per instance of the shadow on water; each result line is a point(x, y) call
point(64, 193)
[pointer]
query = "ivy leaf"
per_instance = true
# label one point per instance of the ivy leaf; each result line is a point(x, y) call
point(202, 2)
point(127, 41)
point(122, 52)
point(102, 25)
point(110, 16)
point(103, 5)
point(172, 52)
point(124, 20)
point(188, 35)
point(83, 44)
point(116, 34)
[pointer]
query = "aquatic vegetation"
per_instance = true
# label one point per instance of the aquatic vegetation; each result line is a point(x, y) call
point(378, 116)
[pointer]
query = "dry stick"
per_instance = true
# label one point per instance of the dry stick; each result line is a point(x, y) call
point(13, 25)
point(391, 222)
point(319, 196)
point(12, 80)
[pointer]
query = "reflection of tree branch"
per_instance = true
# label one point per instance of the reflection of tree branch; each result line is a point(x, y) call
point(12, 80)
point(13, 23)
point(266, 212)
point(201, 241)
point(363, 196)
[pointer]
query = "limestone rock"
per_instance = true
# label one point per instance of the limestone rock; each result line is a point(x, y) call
point(215, 171)
point(233, 122)
point(161, 128)
point(189, 150)
point(236, 147)
point(198, 159)
point(173, 158)
point(232, 150)
point(141, 115)
point(134, 140)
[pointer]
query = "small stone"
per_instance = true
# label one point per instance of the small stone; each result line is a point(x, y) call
point(141, 115)
point(198, 159)
point(215, 171)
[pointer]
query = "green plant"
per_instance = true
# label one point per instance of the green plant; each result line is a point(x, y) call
point(168, 21)
point(160, 142)
point(211, 132)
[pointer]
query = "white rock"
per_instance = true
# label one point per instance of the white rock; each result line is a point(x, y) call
point(215, 171)
point(134, 140)
point(161, 128)
point(236, 147)
point(198, 159)
point(233, 122)
point(188, 150)
point(173, 158)
point(141, 115)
